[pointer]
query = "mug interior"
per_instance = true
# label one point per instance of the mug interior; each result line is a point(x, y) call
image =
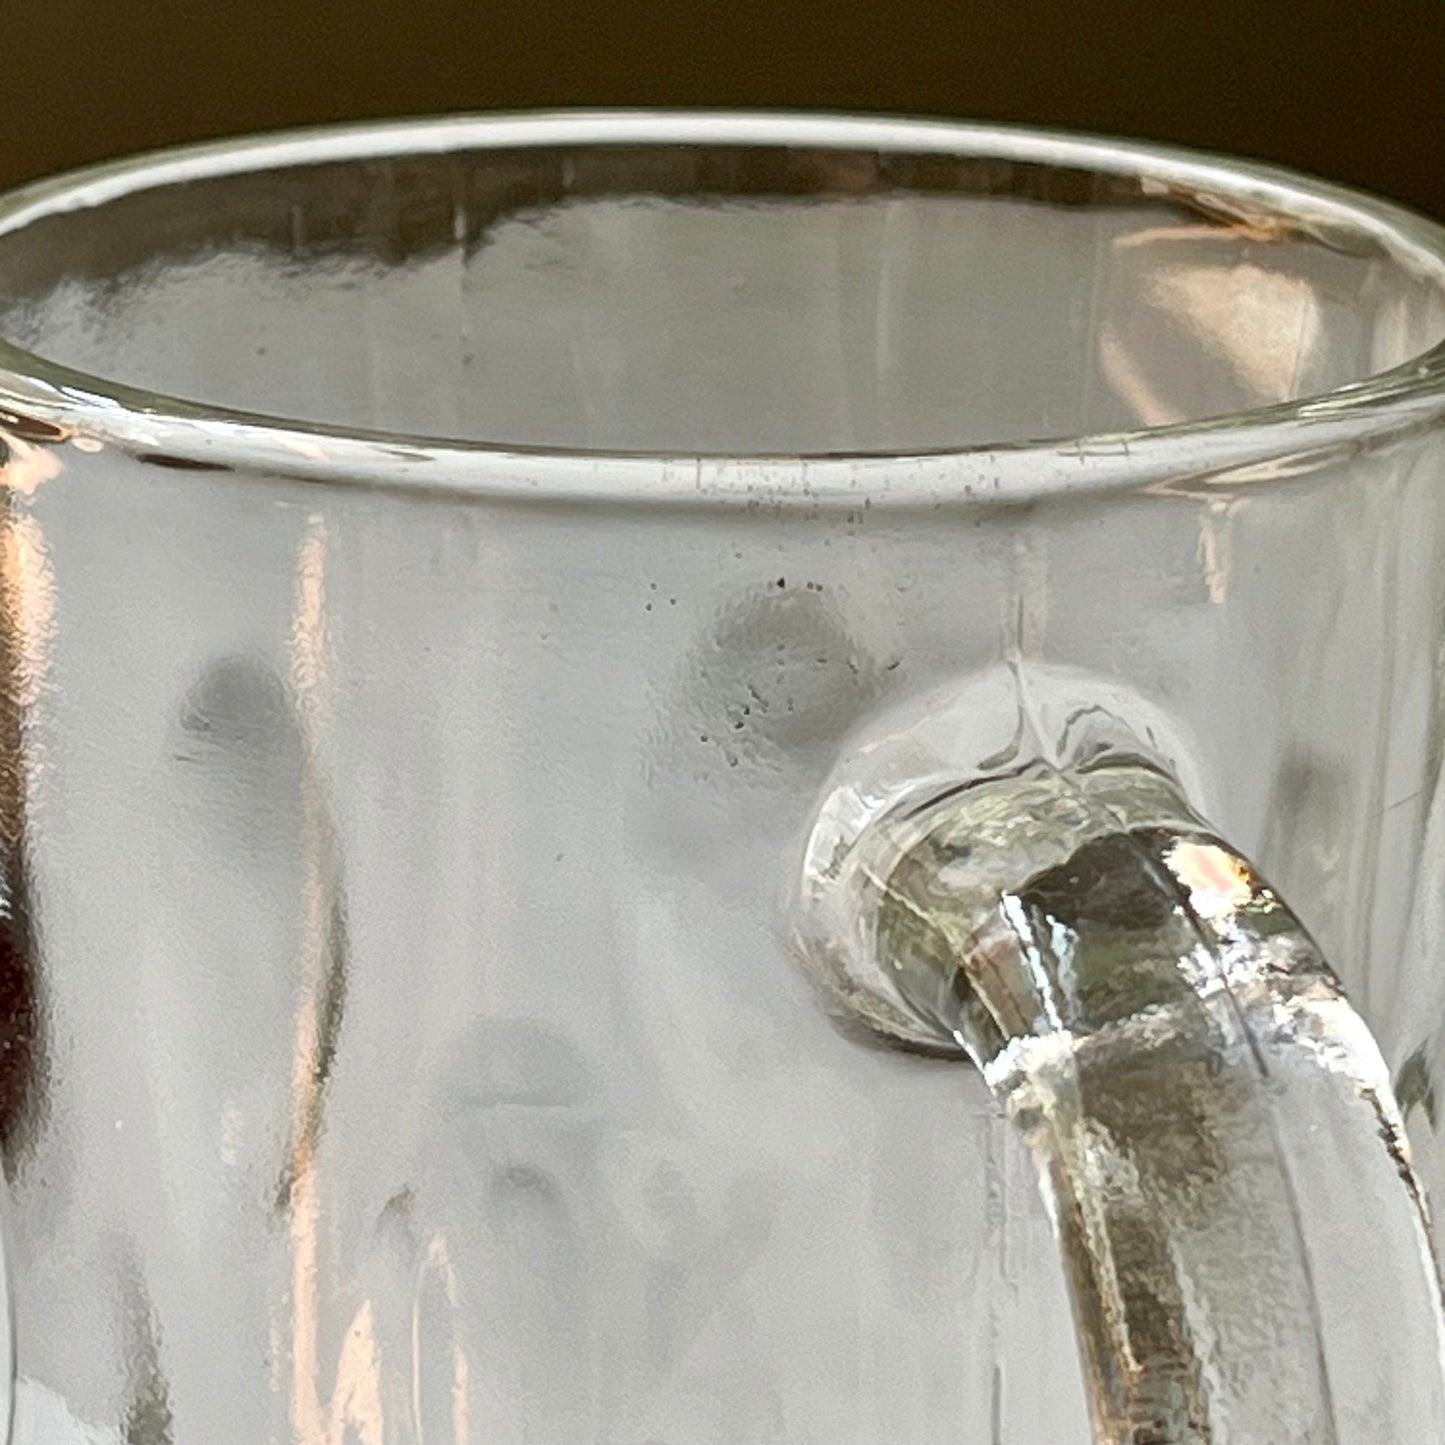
point(708, 298)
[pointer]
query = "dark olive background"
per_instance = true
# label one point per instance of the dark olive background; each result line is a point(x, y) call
point(1351, 90)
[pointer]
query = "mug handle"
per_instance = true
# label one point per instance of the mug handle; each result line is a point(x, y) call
point(1246, 1245)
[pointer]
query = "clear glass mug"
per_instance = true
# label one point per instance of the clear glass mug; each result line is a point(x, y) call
point(562, 676)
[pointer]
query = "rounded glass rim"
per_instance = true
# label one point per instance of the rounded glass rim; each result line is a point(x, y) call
point(1280, 440)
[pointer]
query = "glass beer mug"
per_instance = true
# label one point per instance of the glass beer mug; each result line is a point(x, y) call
point(720, 780)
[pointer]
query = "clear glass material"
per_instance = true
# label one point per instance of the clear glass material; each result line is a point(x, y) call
point(557, 672)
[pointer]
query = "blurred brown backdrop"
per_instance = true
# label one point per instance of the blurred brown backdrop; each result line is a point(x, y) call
point(1351, 90)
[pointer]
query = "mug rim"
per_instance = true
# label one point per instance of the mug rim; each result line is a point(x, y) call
point(42, 400)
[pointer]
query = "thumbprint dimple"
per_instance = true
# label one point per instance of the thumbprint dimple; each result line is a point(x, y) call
point(238, 707)
point(522, 1181)
point(240, 758)
point(508, 1061)
point(771, 686)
